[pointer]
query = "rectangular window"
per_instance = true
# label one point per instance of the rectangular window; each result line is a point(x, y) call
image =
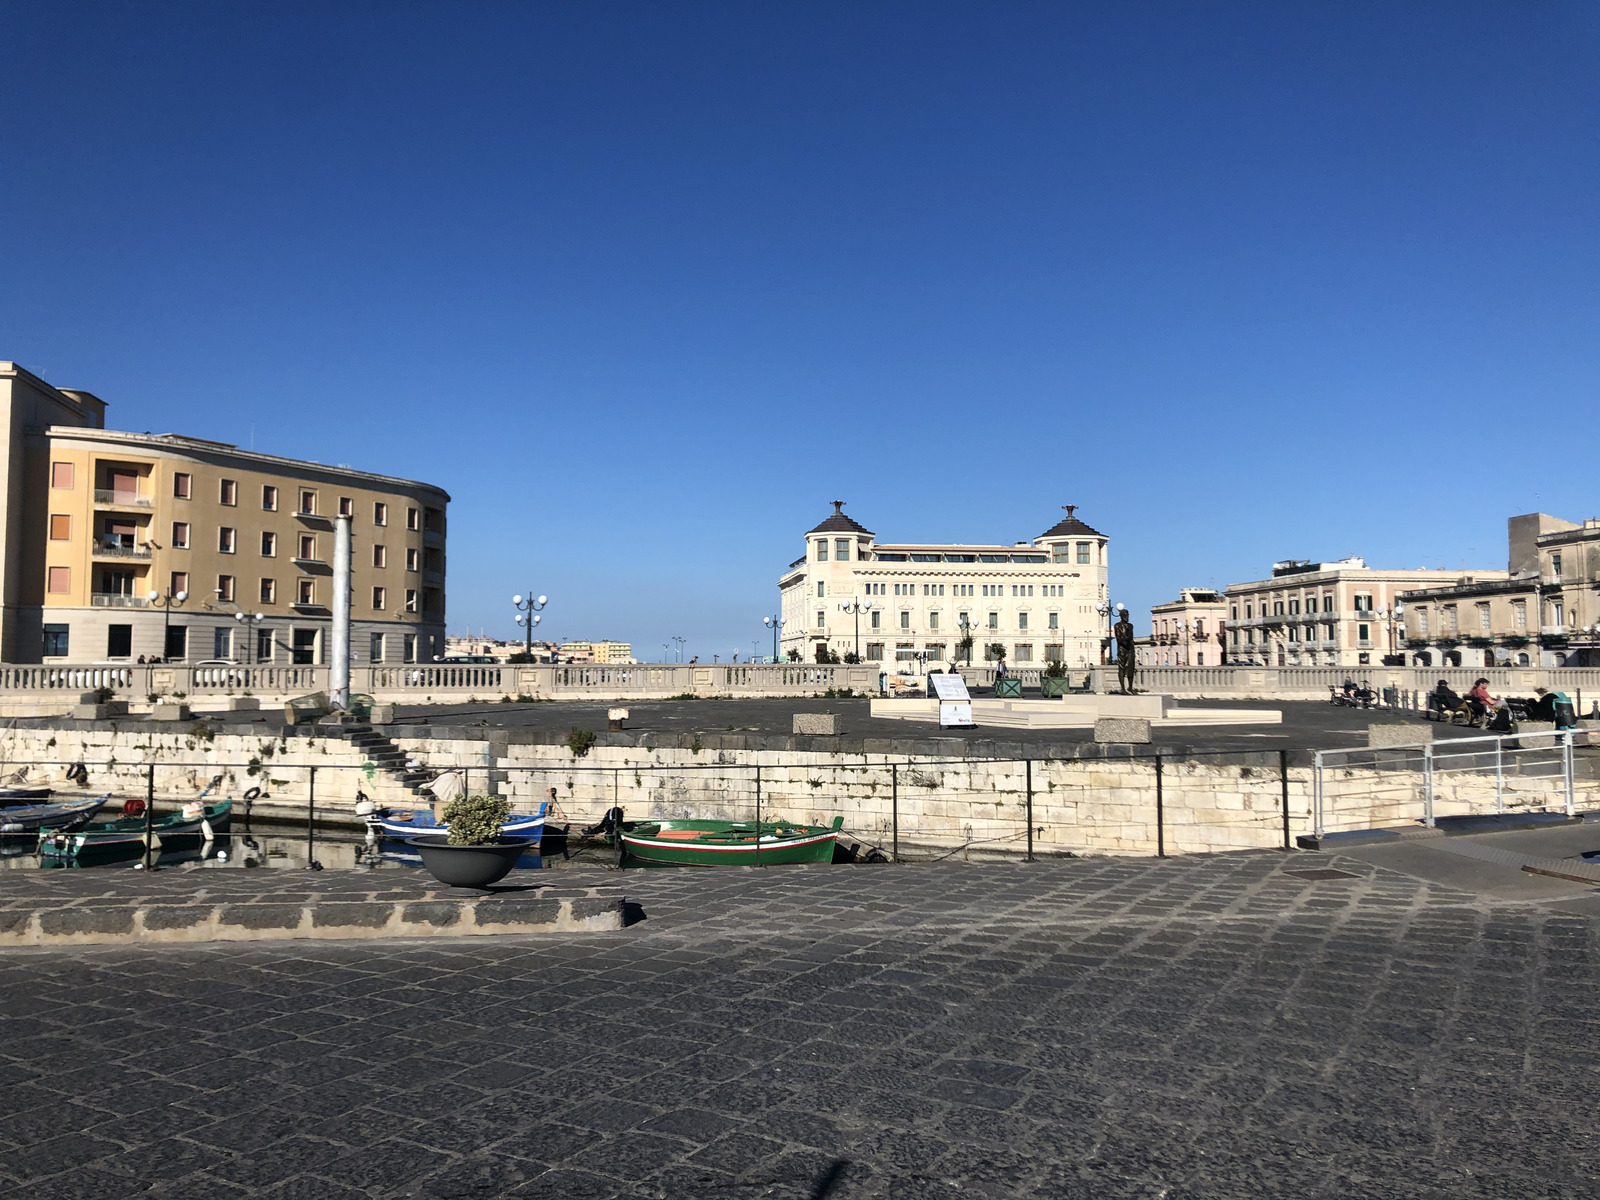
point(269, 497)
point(414, 519)
point(60, 527)
point(177, 647)
point(306, 592)
point(347, 506)
point(269, 545)
point(1083, 552)
point(225, 540)
point(1024, 652)
point(308, 546)
point(224, 587)
point(61, 475)
point(56, 641)
point(1054, 620)
point(933, 620)
point(1277, 608)
point(228, 492)
point(994, 620)
point(1519, 613)
point(1483, 616)
point(822, 550)
point(378, 597)
point(380, 516)
point(411, 600)
point(375, 648)
point(1364, 633)
point(1555, 567)
point(872, 619)
point(411, 647)
point(822, 618)
point(182, 485)
point(1294, 608)
point(905, 620)
point(178, 584)
point(263, 645)
point(1363, 603)
point(1022, 620)
point(221, 642)
point(841, 549)
point(1422, 621)
point(1061, 553)
point(822, 589)
point(1447, 619)
point(269, 591)
point(380, 556)
point(119, 641)
point(411, 558)
point(60, 580)
point(308, 503)
point(874, 651)
point(180, 535)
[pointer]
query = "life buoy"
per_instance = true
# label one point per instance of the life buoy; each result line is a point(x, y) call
point(133, 807)
point(253, 794)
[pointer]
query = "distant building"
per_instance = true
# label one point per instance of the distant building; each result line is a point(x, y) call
point(104, 530)
point(1186, 632)
point(595, 652)
point(1544, 612)
point(1326, 613)
point(1037, 599)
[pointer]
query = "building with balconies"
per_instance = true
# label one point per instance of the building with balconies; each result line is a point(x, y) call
point(106, 530)
point(1544, 612)
point(1186, 632)
point(918, 603)
point(1340, 613)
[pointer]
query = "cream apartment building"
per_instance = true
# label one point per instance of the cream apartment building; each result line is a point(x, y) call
point(120, 546)
point(1326, 614)
point(1545, 613)
point(1041, 599)
point(1186, 632)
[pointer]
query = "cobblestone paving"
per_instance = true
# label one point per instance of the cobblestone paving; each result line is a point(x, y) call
point(1096, 1029)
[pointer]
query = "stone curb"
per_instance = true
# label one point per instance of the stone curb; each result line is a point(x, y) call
point(149, 920)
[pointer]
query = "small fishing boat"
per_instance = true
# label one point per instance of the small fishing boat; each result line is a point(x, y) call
point(725, 843)
point(23, 795)
point(419, 823)
point(30, 818)
point(197, 822)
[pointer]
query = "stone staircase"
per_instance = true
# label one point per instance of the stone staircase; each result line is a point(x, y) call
point(382, 753)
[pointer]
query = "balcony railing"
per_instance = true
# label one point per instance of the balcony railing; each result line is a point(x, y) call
point(117, 600)
point(125, 499)
point(118, 550)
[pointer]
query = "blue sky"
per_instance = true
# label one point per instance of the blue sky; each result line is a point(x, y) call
point(646, 286)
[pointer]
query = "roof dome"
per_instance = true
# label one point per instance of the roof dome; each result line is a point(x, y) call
point(839, 523)
point(1071, 526)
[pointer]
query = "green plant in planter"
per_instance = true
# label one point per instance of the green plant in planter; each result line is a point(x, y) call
point(476, 820)
point(1055, 670)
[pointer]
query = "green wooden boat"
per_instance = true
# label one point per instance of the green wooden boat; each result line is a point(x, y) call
point(724, 843)
point(124, 837)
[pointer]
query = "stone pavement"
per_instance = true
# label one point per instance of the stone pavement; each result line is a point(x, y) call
point(1245, 1025)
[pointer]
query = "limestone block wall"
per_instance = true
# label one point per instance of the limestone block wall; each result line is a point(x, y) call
point(967, 807)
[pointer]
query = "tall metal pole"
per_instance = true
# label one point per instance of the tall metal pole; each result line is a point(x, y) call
point(758, 814)
point(1028, 764)
point(1161, 837)
point(339, 682)
point(894, 811)
point(1283, 780)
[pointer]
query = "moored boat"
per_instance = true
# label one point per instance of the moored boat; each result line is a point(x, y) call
point(23, 795)
point(196, 822)
point(30, 818)
point(725, 843)
point(419, 822)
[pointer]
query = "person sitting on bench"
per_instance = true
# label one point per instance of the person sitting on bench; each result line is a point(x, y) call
point(1480, 701)
point(1444, 701)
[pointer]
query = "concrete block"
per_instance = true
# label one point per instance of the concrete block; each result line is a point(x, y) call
point(382, 714)
point(96, 711)
point(824, 724)
point(170, 712)
point(243, 704)
point(1399, 735)
point(1122, 730)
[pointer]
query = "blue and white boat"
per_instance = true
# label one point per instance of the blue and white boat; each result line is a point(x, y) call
point(419, 823)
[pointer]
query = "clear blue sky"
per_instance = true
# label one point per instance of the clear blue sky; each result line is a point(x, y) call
point(646, 286)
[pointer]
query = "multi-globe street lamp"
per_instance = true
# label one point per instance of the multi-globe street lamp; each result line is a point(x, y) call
point(967, 628)
point(680, 642)
point(247, 623)
point(855, 607)
point(528, 615)
point(774, 623)
point(167, 603)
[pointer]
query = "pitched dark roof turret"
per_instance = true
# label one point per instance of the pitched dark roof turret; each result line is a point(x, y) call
point(1071, 526)
point(839, 523)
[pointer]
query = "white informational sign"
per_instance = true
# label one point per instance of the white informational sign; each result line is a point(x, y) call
point(950, 687)
point(954, 714)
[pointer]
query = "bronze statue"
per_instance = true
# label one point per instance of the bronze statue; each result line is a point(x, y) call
point(1126, 664)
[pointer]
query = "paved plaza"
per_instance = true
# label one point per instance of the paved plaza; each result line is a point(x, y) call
point(1244, 1025)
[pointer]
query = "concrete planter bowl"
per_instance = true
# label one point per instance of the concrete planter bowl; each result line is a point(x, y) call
point(471, 866)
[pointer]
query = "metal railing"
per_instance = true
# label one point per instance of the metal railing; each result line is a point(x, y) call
point(117, 600)
point(126, 499)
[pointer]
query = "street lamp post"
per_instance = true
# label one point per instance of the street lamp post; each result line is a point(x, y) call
point(246, 624)
point(965, 625)
point(528, 615)
point(855, 607)
point(1105, 610)
point(774, 623)
point(680, 642)
point(167, 602)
